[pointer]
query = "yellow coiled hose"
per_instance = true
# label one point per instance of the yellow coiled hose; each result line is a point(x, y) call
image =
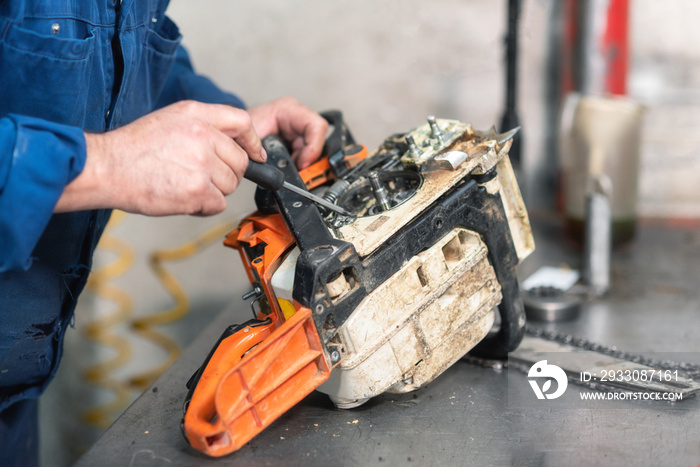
point(144, 326)
point(100, 330)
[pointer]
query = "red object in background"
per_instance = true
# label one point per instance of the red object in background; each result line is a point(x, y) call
point(611, 42)
point(614, 45)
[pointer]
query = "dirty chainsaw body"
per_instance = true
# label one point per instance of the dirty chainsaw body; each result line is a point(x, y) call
point(384, 301)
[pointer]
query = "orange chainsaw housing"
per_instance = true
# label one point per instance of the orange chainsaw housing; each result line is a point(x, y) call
point(261, 371)
point(240, 394)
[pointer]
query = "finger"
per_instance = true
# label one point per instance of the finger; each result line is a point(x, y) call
point(309, 155)
point(296, 146)
point(233, 122)
point(241, 129)
point(312, 129)
point(211, 202)
point(223, 177)
point(231, 163)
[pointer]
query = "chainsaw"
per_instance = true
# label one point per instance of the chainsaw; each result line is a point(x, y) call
point(407, 264)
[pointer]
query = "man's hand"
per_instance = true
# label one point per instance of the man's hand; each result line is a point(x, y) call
point(182, 159)
point(301, 126)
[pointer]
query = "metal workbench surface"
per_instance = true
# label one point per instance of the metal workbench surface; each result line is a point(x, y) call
point(464, 417)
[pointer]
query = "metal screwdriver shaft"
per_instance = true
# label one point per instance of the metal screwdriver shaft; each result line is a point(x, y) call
point(317, 199)
point(272, 178)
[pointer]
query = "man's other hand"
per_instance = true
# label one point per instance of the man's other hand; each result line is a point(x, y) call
point(303, 128)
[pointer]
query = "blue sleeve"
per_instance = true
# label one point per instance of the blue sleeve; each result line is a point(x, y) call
point(38, 159)
point(183, 83)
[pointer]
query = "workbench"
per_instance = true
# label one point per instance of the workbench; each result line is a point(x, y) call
point(464, 416)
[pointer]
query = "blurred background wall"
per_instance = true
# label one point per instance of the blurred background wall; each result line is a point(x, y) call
point(386, 65)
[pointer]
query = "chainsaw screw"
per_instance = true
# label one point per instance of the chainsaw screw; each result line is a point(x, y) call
point(253, 293)
point(435, 131)
point(383, 203)
point(413, 150)
point(319, 308)
point(335, 356)
point(297, 204)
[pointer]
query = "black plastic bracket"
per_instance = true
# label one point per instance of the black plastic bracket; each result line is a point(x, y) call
point(323, 258)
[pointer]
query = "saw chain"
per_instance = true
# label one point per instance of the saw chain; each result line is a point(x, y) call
point(575, 354)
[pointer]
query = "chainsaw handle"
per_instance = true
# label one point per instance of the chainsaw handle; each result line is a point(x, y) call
point(244, 389)
point(229, 351)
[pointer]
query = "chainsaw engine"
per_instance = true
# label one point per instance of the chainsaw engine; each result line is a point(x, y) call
point(418, 271)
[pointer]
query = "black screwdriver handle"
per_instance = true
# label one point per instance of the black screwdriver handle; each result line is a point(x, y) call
point(265, 175)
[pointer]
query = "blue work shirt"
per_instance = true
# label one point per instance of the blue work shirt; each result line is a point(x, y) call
point(66, 67)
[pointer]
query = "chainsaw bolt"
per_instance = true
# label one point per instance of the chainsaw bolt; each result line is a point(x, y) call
point(413, 149)
point(297, 204)
point(319, 308)
point(253, 293)
point(380, 195)
point(335, 356)
point(435, 131)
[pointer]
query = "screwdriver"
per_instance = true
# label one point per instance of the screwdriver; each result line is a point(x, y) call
point(270, 177)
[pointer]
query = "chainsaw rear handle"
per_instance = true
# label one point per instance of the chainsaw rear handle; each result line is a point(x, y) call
point(202, 387)
point(253, 377)
point(228, 332)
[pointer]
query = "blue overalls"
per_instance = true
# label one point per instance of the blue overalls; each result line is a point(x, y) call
point(65, 67)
